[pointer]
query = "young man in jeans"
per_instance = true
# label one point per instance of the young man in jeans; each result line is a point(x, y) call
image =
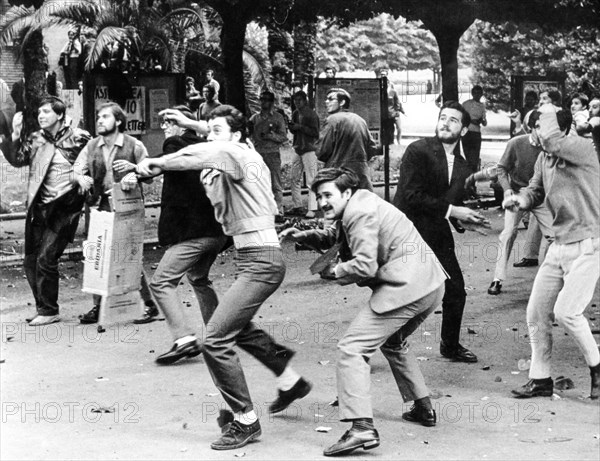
point(237, 183)
point(567, 178)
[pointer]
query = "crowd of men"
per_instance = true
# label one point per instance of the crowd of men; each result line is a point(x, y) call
point(216, 194)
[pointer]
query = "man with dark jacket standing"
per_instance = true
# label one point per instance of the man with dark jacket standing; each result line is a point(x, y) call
point(53, 202)
point(430, 192)
point(187, 225)
point(345, 139)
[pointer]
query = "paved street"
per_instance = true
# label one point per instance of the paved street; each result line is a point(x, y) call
point(70, 393)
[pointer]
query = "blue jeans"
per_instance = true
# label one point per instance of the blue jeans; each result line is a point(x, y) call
point(562, 289)
point(260, 271)
point(193, 258)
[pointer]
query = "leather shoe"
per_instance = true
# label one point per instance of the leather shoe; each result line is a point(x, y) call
point(237, 435)
point(91, 316)
point(535, 388)
point(495, 288)
point(526, 262)
point(353, 439)
point(189, 350)
point(421, 415)
point(285, 398)
point(150, 315)
point(458, 353)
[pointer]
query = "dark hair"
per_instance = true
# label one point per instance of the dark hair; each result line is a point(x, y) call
point(533, 118)
point(235, 119)
point(117, 112)
point(331, 68)
point(476, 88)
point(466, 118)
point(582, 97)
point(343, 178)
point(267, 95)
point(341, 95)
point(300, 94)
point(185, 110)
point(57, 105)
point(531, 93)
point(564, 119)
point(210, 88)
point(555, 97)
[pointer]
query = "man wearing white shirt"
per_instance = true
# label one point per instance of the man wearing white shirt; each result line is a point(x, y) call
point(430, 192)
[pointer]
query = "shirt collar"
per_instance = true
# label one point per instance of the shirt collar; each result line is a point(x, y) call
point(118, 141)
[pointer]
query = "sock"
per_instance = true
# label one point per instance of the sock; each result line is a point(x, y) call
point(364, 424)
point(149, 303)
point(542, 380)
point(287, 379)
point(245, 418)
point(425, 402)
point(185, 340)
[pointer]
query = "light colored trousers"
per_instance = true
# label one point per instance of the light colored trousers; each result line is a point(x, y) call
point(193, 258)
point(562, 289)
point(509, 234)
point(533, 242)
point(370, 331)
point(305, 163)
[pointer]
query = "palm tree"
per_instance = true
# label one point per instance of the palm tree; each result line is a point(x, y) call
point(143, 30)
point(18, 25)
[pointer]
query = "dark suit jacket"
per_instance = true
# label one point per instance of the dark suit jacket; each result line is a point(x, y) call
point(424, 193)
point(186, 212)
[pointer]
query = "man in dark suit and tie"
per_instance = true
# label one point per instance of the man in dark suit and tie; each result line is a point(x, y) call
point(430, 192)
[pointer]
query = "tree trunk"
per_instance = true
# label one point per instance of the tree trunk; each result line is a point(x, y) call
point(305, 40)
point(448, 28)
point(448, 43)
point(232, 41)
point(35, 62)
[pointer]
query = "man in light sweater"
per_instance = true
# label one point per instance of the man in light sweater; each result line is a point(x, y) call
point(233, 175)
point(514, 170)
point(567, 178)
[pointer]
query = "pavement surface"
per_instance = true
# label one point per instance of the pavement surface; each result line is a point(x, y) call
point(69, 392)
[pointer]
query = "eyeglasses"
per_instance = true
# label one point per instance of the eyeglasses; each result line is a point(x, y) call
point(164, 123)
point(331, 98)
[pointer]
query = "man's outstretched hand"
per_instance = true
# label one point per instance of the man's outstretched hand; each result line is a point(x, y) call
point(148, 168)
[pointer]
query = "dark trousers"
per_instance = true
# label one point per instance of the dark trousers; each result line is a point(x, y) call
point(48, 230)
point(453, 303)
point(259, 271)
point(471, 143)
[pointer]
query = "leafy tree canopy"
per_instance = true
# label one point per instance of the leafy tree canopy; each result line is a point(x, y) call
point(504, 49)
point(383, 41)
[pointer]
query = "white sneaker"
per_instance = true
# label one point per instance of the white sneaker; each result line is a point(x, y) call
point(44, 320)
